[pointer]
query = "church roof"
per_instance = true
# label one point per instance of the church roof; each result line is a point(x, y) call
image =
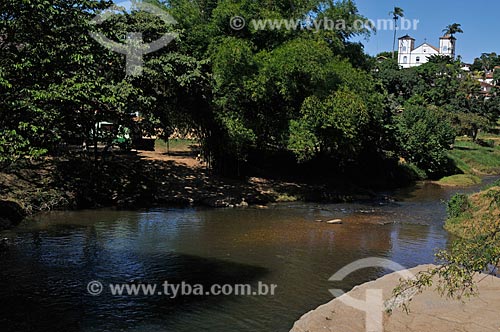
point(435, 48)
point(406, 37)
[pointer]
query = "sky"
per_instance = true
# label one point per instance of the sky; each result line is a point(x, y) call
point(477, 17)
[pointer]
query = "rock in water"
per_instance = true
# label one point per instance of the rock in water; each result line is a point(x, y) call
point(11, 214)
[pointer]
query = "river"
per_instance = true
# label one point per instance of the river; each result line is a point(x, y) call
point(45, 270)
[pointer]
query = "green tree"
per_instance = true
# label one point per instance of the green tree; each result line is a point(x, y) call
point(424, 136)
point(237, 90)
point(333, 126)
point(486, 62)
point(470, 124)
point(453, 29)
point(396, 14)
point(46, 51)
point(255, 81)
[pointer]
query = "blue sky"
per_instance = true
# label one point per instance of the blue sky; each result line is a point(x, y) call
point(478, 19)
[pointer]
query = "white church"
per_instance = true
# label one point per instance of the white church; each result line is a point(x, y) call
point(411, 56)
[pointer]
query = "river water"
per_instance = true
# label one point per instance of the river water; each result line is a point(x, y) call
point(45, 270)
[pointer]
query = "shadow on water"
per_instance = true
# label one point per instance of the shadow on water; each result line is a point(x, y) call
point(47, 292)
point(44, 274)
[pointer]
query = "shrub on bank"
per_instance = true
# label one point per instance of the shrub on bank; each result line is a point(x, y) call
point(475, 220)
point(474, 216)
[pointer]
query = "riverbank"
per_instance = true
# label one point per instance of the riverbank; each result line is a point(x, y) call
point(476, 215)
point(174, 176)
point(473, 160)
point(147, 179)
point(428, 311)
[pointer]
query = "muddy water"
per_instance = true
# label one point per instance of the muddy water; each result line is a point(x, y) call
point(45, 271)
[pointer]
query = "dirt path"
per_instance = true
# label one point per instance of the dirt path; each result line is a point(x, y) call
point(178, 158)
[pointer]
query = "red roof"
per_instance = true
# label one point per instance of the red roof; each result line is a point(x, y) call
point(486, 84)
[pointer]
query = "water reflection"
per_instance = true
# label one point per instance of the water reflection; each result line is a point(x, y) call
point(44, 275)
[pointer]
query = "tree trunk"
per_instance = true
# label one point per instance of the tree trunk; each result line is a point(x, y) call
point(475, 133)
point(94, 137)
point(394, 40)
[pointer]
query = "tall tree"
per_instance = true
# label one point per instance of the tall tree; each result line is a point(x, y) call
point(46, 52)
point(487, 62)
point(452, 29)
point(396, 14)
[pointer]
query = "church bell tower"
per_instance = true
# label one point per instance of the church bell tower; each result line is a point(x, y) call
point(406, 46)
point(447, 46)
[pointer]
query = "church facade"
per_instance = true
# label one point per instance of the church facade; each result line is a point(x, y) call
point(411, 56)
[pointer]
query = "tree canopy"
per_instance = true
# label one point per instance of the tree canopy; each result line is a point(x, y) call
point(311, 95)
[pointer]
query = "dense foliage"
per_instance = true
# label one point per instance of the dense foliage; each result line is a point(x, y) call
point(309, 95)
point(313, 97)
point(438, 101)
point(423, 137)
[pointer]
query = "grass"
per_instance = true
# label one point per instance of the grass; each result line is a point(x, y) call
point(460, 180)
point(480, 215)
point(473, 159)
point(175, 144)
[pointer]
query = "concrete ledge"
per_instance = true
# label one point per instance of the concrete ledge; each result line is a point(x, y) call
point(428, 311)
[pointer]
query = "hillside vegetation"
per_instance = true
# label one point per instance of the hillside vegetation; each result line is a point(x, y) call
point(473, 160)
point(477, 215)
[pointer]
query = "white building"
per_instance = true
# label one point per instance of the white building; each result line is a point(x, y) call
point(411, 56)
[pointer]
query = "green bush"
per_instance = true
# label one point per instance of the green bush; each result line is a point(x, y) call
point(413, 172)
point(423, 138)
point(457, 205)
point(13, 146)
